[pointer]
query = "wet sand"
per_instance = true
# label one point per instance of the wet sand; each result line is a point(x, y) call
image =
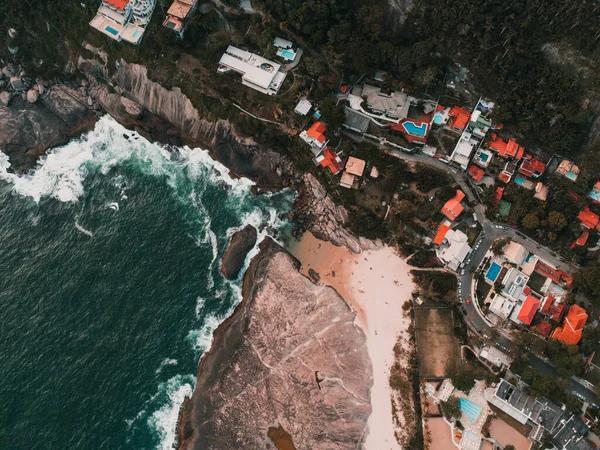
point(375, 283)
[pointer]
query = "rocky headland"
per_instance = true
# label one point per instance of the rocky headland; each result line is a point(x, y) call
point(241, 243)
point(289, 364)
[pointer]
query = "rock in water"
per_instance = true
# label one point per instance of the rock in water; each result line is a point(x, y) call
point(241, 243)
point(290, 356)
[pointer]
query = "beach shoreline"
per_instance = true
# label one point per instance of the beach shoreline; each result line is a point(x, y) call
point(375, 284)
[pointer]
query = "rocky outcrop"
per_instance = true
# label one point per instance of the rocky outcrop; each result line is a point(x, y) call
point(290, 356)
point(157, 104)
point(28, 129)
point(241, 243)
point(315, 211)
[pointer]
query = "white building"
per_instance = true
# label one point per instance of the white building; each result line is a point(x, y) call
point(514, 283)
point(285, 49)
point(501, 306)
point(454, 250)
point(257, 72)
point(303, 107)
point(124, 19)
point(495, 356)
point(463, 150)
point(515, 253)
point(383, 106)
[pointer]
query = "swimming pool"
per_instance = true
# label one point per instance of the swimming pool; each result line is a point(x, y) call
point(493, 272)
point(111, 30)
point(484, 157)
point(470, 409)
point(438, 119)
point(136, 33)
point(414, 129)
point(520, 180)
point(288, 54)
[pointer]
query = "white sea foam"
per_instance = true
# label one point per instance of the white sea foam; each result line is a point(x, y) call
point(83, 230)
point(200, 302)
point(166, 362)
point(164, 421)
point(201, 339)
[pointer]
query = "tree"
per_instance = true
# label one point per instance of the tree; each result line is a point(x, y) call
point(556, 220)
point(572, 403)
point(530, 221)
point(451, 408)
point(314, 66)
point(405, 209)
point(464, 382)
point(509, 447)
point(498, 246)
point(332, 114)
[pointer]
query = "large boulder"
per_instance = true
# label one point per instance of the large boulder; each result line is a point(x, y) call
point(33, 95)
point(241, 243)
point(5, 98)
point(132, 108)
point(17, 84)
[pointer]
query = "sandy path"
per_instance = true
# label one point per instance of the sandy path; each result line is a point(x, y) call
point(375, 284)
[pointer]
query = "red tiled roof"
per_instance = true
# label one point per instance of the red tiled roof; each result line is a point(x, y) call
point(552, 309)
point(508, 149)
point(504, 177)
point(588, 218)
point(582, 239)
point(528, 310)
point(543, 328)
point(499, 192)
point(570, 332)
point(316, 131)
point(531, 167)
point(120, 4)
point(476, 173)
point(331, 160)
point(453, 207)
point(556, 275)
point(439, 237)
point(459, 117)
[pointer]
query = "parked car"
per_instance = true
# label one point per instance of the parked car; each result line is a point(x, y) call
point(468, 301)
point(464, 310)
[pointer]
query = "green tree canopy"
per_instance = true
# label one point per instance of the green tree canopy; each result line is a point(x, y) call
point(451, 408)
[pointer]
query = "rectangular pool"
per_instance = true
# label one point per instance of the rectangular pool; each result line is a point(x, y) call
point(493, 272)
point(111, 30)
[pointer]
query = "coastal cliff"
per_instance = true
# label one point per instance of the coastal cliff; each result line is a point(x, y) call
point(289, 364)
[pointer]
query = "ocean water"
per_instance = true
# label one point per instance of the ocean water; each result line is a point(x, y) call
point(110, 287)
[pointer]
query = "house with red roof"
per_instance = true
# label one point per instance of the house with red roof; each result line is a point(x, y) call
point(441, 234)
point(588, 218)
point(582, 239)
point(556, 275)
point(330, 160)
point(453, 208)
point(528, 309)
point(459, 118)
point(315, 135)
point(532, 168)
point(552, 308)
point(508, 171)
point(543, 328)
point(499, 193)
point(570, 332)
point(124, 19)
point(475, 173)
point(506, 149)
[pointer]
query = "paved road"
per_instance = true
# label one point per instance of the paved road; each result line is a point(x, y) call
point(490, 232)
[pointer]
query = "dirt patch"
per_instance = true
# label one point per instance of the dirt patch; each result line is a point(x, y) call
point(523, 430)
point(281, 438)
point(505, 435)
point(441, 436)
point(437, 347)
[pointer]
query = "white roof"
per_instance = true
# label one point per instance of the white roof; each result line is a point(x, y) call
point(303, 107)
point(515, 252)
point(456, 251)
point(254, 69)
point(282, 43)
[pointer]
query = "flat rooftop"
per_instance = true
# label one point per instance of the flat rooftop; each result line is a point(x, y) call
point(180, 9)
point(255, 69)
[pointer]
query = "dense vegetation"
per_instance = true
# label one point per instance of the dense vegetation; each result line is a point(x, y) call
point(500, 42)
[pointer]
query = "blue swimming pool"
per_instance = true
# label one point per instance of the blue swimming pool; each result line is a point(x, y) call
point(414, 129)
point(493, 272)
point(520, 180)
point(484, 157)
point(136, 33)
point(470, 409)
point(288, 54)
point(438, 119)
point(111, 30)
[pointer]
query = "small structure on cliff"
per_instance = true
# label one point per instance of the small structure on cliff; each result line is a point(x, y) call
point(124, 19)
point(178, 14)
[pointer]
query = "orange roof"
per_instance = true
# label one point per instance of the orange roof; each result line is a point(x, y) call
point(331, 160)
point(531, 167)
point(508, 149)
point(316, 131)
point(453, 207)
point(459, 117)
point(476, 173)
point(439, 237)
point(527, 312)
point(582, 240)
point(120, 4)
point(504, 177)
point(588, 218)
point(552, 309)
point(570, 332)
point(499, 192)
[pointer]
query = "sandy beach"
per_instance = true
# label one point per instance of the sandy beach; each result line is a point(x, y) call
point(375, 284)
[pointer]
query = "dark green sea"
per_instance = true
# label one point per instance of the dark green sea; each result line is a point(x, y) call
point(110, 287)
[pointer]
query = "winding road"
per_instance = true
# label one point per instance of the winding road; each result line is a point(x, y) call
point(491, 231)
